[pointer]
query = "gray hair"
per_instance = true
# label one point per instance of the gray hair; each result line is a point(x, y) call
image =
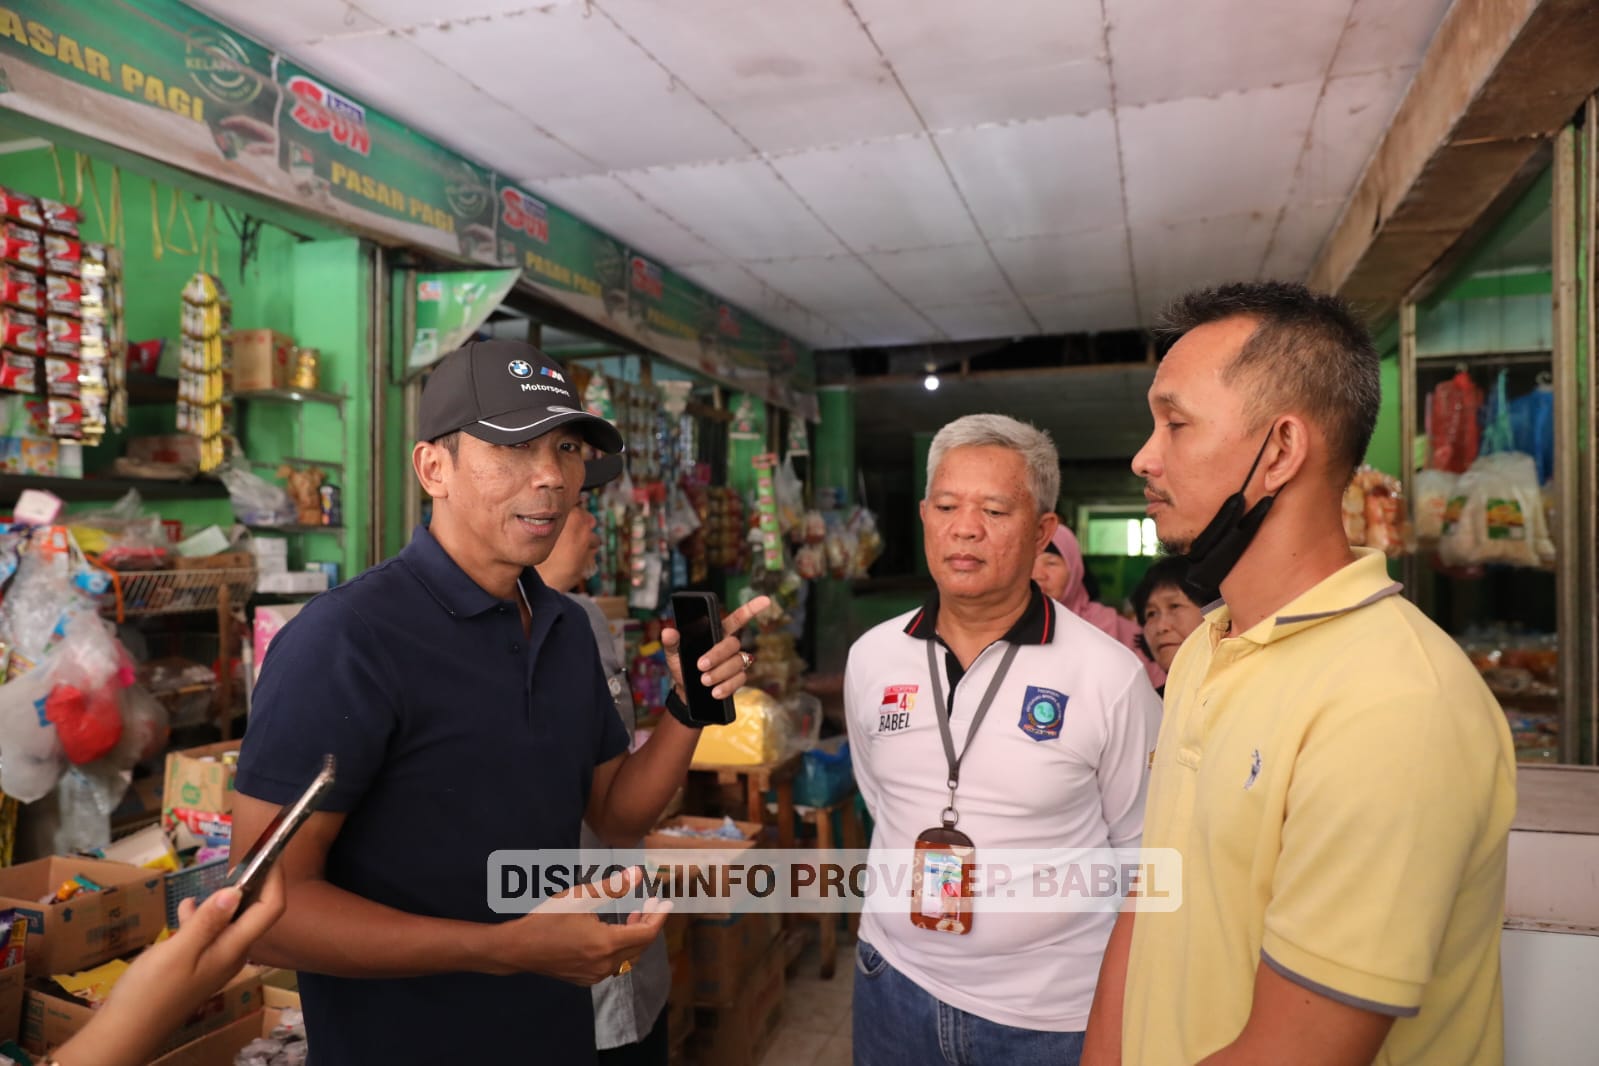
point(1030, 442)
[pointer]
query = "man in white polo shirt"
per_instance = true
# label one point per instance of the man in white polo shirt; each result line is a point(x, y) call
point(1047, 732)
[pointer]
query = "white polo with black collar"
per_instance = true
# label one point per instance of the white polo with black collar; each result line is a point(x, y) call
point(1060, 762)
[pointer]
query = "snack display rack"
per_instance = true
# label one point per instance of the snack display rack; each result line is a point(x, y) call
point(151, 592)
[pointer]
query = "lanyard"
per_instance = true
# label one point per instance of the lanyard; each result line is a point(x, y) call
point(941, 710)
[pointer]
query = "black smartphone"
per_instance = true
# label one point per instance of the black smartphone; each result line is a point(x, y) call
point(697, 617)
point(251, 872)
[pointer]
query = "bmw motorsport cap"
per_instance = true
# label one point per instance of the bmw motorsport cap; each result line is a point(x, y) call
point(506, 392)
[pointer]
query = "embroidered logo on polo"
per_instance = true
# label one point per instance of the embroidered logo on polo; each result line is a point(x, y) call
point(1254, 770)
point(1043, 711)
point(520, 368)
point(894, 713)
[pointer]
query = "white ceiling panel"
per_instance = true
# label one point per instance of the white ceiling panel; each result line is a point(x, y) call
point(787, 76)
point(1300, 234)
point(837, 168)
point(837, 283)
point(1350, 120)
point(965, 64)
point(961, 274)
point(888, 326)
point(1093, 312)
point(1059, 264)
point(480, 127)
point(1172, 259)
point(287, 23)
point(614, 105)
point(1384, 34)
point(966, 322)
point(734, 282)
point(1053, 176)
point(740, 208)
point(1162, 50)
point(884, 196)
point(607, 202)
point(1191, 159)
point(403, 14)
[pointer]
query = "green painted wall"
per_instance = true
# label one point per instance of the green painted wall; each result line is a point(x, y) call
point(314, 291)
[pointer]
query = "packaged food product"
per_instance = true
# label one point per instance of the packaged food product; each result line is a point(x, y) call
point(60, 218)
point(61, 377)
point(1433, 490)
point(20, 208)
point(20, 289)
point(21, 246)
point(63, 295)
point(66, 419)
point(64, 336)
point(63, 255)
point(19, 373)
point(19, 331)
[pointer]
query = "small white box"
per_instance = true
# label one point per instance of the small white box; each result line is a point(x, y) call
point(271, 554)
point(293, 582)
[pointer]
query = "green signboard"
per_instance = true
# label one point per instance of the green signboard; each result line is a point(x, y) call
point(333, 147)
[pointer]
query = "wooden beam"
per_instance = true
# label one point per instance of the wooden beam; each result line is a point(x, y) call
point(1500, 78)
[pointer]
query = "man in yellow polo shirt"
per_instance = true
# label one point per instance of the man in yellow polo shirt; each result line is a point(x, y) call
point(1339, 781)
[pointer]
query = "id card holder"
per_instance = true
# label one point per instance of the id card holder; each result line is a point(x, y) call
point(944, 864)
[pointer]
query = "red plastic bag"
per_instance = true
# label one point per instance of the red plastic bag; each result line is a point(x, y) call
point(89, 724)
point(1452, 424)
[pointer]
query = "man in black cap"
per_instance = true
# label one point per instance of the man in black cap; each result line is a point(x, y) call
point(466, 706)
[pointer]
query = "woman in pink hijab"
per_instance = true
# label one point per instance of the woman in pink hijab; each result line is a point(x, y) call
point(1059, 572)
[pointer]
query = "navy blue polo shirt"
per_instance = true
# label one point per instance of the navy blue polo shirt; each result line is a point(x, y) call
point(456, 736)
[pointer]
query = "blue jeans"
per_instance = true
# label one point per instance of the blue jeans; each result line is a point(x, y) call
point(896, 1022)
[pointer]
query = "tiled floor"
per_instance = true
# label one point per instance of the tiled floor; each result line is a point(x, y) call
point(815, 1030)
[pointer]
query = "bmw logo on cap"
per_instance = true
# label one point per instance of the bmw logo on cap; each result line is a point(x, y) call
point(521, 368)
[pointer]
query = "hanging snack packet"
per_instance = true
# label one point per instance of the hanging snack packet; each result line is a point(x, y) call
point(19, 331)
point(20, 208)
point(60, 218)
point(63, 255)
point(20, 289)
point(21, 246)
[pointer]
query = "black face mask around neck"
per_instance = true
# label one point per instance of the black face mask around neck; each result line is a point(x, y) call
point(1221, 544)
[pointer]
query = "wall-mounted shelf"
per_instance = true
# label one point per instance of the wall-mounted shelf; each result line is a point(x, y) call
point(110, 488)
point(296, 529)
point(292, 396)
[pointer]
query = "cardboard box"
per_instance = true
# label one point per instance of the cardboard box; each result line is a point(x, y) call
point(198, 780)
point(741, 1034)
point(262, 359)
point(12, 987)
point(281, 989)
point(219, 1048)
point(659, 840)
point(127, 913)
point(52, 1017)
point(726, 951)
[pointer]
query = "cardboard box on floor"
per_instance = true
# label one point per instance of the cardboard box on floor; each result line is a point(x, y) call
point(127, 913)
point(198, 785)
point(740, 1034)
point(52, 1017)
point(12, 987)
point(220, 1047)
point(725, 951)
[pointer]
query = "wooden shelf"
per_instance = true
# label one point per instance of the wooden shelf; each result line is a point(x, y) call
point(110, 488)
